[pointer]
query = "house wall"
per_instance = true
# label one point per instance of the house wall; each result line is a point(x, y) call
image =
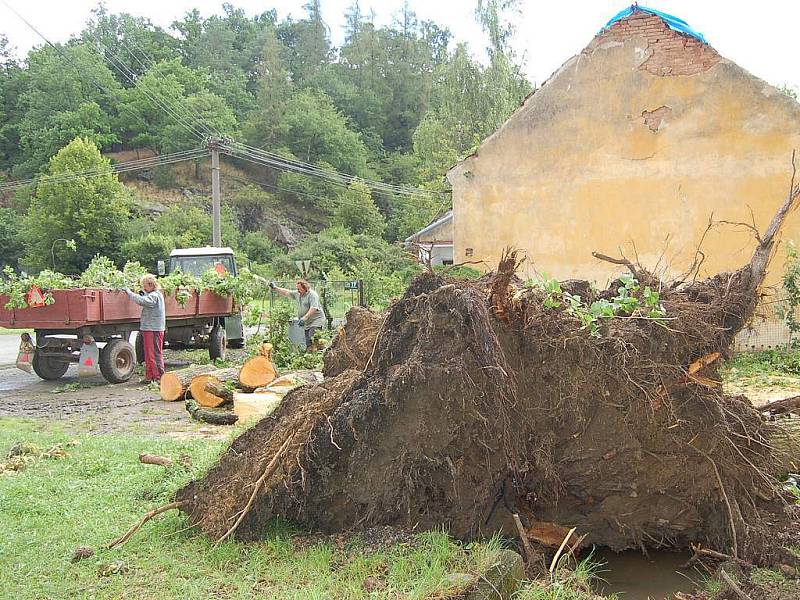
point(632, 145)
point(438, 243)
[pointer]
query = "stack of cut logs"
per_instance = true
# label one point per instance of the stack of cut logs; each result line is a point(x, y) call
point(222, 396)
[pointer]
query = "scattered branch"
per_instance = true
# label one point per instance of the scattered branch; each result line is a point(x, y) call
point(152, 459)
point(526, 545)
point(153, 513)
point(733, 585)
point(560, 550)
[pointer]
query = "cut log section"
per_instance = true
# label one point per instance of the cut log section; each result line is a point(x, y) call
point(197, 387)
point(258, 371)
point(218, 390)
point(175, 384)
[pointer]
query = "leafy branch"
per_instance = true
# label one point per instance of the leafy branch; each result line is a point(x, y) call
point(631, 301)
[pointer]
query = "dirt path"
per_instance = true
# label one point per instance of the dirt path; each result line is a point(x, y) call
point(96, 406)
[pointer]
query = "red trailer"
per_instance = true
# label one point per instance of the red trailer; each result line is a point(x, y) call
point(109, 316)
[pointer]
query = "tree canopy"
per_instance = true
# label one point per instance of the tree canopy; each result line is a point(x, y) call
point(395, 104)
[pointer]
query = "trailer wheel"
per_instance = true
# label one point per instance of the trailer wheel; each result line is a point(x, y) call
point(48, 367)
point(117, 361)
point(217, 343)
point(139, 348)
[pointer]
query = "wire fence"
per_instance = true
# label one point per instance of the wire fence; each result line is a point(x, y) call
point(336, 297)
point(768, 329)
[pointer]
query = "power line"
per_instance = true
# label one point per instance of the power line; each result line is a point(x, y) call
point(96, 83)
point(154, 96)
point(124, 167)
point(275, 161)
point(406, 200)
point(208, 127)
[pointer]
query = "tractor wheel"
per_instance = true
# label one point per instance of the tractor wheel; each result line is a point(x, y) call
point(50, 368)
point(139, 348)
point(217, 343)
point(118, 361)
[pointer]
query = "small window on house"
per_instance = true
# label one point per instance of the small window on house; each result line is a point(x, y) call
point(468, 252)
point(447, 262)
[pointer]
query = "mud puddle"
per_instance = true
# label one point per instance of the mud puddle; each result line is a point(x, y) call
point(633, 576)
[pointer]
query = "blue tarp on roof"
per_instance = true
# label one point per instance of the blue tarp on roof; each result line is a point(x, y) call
point(672, 22)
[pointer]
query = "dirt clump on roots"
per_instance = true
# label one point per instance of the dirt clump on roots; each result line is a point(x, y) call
point(353, 345)
point(466, 402)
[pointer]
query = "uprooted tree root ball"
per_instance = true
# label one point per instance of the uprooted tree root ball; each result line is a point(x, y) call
point(467, 402)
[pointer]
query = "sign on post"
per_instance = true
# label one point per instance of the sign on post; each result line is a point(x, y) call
point(303, 266)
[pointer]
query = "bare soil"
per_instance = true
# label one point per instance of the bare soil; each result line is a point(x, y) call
point(94, 405)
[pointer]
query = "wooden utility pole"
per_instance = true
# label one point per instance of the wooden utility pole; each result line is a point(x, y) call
point(216, 236)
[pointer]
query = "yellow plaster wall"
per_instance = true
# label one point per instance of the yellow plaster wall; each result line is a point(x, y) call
point(576, 169)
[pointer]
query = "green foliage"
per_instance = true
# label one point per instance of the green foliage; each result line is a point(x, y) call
point(103, 273)
point(357, 212)
point(90, 211)
point(149, 249)
point(631, 301)
point(259, 248)
point(51, 109)
point(190, 227)
point(791, 285)
point(11, 246)
point(317, 132)
point(766, 362)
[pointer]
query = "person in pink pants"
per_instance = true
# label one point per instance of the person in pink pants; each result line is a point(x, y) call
point(151, 326)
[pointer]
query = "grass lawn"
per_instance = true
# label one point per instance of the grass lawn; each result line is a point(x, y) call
point(99, 489)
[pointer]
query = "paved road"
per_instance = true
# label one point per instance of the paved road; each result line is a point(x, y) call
point(9, 346)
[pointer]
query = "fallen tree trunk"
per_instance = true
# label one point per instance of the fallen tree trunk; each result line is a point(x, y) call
point(783, 406)
point(213, 416)
point(175, 384)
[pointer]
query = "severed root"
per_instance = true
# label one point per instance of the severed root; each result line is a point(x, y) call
point(153, 513)
point(268, 471)
point(526, 545)
point(733, 585)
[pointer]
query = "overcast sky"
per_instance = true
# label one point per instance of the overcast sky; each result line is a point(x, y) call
point(761, 41)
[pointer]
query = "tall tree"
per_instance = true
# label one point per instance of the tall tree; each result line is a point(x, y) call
point(69, 91)
point(131, 43)
point(89, 210)
point(308, 43)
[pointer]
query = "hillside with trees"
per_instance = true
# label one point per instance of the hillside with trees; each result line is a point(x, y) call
point(393, 107)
